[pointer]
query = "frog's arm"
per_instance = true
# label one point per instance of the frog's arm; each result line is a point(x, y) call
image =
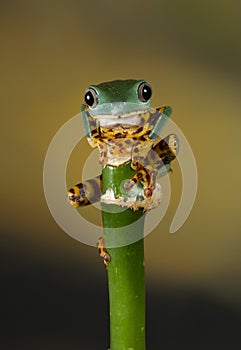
point(86, 121)
point(89, 126)
point(86, 192)
point(164, 114)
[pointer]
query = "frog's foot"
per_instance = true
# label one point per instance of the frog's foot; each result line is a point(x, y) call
point(103, 252)
point(77, 195)
point(146, 177)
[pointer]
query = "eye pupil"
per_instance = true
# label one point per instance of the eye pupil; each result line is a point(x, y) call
point(91, 98)
point(144, 92)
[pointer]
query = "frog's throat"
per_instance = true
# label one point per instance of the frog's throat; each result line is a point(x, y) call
point(118, 114)
point(115, 109)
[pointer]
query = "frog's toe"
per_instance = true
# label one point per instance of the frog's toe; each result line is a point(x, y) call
point(74, 200)
point(148, 192)
point(76, 196)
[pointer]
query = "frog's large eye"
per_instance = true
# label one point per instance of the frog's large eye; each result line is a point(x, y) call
point(91, 98)
point(144, 92)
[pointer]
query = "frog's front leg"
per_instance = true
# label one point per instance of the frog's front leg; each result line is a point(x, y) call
point(164, 114)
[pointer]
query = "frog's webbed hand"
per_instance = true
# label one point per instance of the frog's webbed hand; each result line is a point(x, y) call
point(167, 150)
point(156, 162)
point(85, 193)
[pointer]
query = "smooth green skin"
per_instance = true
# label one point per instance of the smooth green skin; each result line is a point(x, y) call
point(126, 270)
point(117, 92)
point(119, 97)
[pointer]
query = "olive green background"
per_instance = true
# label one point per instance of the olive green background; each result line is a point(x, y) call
point(53, 288)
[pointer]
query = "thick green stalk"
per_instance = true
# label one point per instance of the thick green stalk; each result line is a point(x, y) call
point(123, 233)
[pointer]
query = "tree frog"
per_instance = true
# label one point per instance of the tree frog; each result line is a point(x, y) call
point(119, 120)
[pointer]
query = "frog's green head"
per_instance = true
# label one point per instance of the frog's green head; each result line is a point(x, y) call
point(118, 97)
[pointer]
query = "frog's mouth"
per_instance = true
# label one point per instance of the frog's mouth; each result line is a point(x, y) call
point(118, 109)
point(126, 119)
point(119, 113)
point(107, 121)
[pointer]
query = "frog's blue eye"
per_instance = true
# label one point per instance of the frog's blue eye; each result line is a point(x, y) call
point(91, 98)
point(144, 92)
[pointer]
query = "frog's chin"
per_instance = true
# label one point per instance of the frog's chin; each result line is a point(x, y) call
point(128, 120)
point(118, 109)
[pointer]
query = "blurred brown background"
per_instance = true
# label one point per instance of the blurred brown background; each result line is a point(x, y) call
point(53, 288)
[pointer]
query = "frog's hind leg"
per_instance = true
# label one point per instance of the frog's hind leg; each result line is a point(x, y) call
point(142, 162)
point(105, 256)
point(167, 150)
point(85, 193)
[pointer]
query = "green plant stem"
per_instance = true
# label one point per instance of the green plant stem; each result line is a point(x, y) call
point(123, 233)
